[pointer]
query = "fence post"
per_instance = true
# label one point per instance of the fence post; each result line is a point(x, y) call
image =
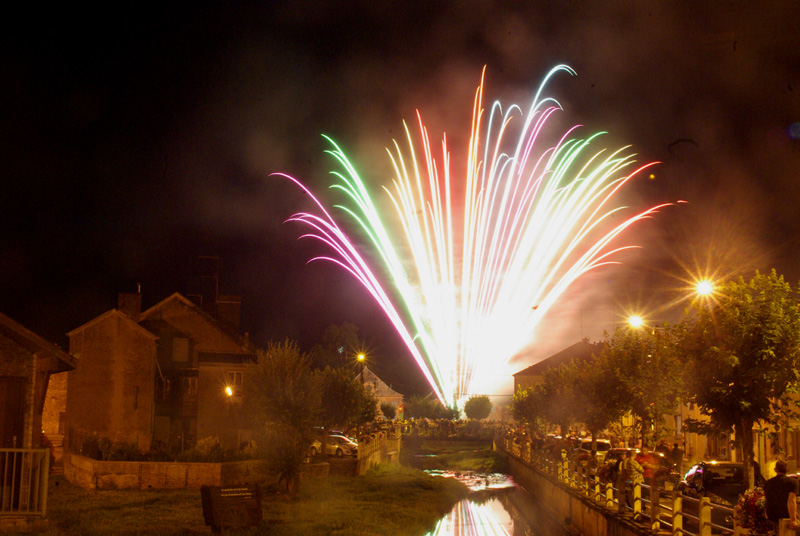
point(704, 516)
point(655, 506)
point(596, 487)
point(637, 500)
point(677, 512)
point(609, 495)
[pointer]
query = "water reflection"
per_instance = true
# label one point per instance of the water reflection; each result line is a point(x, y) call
point(472, 519)
point(496, 506)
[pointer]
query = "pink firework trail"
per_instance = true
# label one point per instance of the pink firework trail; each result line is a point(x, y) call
point(469, 286)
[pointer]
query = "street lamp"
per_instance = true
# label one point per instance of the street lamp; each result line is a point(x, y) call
point(704, 288)
point(635, 321)
point(361, 358)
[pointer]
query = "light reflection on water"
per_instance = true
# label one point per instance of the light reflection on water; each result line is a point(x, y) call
point(480, 515)
point(472, 519)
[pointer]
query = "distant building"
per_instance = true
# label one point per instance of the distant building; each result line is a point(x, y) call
point(533, 375)
point(168, 376)
point(384, 393)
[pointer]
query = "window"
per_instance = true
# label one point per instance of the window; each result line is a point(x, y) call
point(189, 386)
point(180, 349)
point(233, 378)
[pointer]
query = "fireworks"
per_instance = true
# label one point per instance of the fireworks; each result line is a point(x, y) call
point(477, 263)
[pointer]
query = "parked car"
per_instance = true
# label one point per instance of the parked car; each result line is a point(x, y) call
point(339, 446)
point(721, 481)
point(315, 448)
point(603, 446)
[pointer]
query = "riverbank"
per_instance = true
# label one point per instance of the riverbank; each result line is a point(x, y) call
point(389, 500)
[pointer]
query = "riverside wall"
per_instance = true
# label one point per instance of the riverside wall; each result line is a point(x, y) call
point(577, 513)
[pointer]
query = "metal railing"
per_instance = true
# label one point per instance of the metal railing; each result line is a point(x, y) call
point(24, 475)
point(658, 508)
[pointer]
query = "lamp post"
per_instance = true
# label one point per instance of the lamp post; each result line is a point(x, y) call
point(361, 359)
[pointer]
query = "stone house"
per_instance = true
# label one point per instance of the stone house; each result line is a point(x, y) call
point(165, 377)
point(382, 391)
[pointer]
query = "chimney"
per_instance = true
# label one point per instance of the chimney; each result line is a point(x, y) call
point(130, 303)
point(228, 308)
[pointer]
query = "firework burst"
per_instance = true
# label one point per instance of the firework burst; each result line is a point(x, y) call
point(474, 265)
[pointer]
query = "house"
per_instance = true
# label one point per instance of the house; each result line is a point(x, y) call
point(161, 378)
point(27, 362)
point(533, 375)
point(385, 394)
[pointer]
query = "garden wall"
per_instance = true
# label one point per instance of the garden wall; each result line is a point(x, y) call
point(95, 474)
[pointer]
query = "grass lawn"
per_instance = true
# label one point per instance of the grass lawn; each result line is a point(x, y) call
point(389, 501)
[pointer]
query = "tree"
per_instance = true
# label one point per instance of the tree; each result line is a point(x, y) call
point(388, 410)
point(596, 404)
point(478, 407)
point(742, 356)
point(339, 345)
point(646, 372)
point(559, 395)
point(285, 402)
point(527, 406)
point(343, 398)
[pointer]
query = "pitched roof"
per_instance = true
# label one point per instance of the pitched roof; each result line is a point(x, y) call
point(178, 297)
point(381, 388)
point(35, 344)
point(582, 349)
point(115, 313)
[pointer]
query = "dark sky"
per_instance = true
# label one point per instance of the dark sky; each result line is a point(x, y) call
point(132, 143)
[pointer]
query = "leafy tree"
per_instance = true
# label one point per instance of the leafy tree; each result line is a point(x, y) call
point(742, 355)
point(596, 404)
point(421, 407)
point(428, 407)
point(478, 407)
point(282, 388)
point(343, 398)
point(285, 402)
point(527, 405)
point(388, 410)
point(559, 395)
point(340, 343)
point(645, 370)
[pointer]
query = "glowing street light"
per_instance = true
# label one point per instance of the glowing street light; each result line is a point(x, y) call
point(704, 287)
point(229, 391)
point(361, 358)
point(635, 321)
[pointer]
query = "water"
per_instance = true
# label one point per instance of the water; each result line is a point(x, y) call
point(496, 506)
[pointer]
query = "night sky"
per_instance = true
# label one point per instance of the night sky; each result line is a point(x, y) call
point(132, 143)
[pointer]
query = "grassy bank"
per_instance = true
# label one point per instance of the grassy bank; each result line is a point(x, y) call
point(389, 500)
point(454, 455)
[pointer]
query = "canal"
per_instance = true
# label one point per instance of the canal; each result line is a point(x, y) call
point(496, 505)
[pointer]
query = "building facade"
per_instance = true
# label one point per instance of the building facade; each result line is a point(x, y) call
point(161, 378)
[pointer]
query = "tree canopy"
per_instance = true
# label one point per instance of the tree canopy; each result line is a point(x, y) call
point(742, 354)
point(478, 407)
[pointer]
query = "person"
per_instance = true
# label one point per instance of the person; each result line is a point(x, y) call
point(780, 494)
point(662, 447)
point(648, 463)
point(630, 473)
point(676, 457)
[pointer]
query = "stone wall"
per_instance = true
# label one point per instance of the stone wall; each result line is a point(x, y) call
point(577, 513)
point(94, 474)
